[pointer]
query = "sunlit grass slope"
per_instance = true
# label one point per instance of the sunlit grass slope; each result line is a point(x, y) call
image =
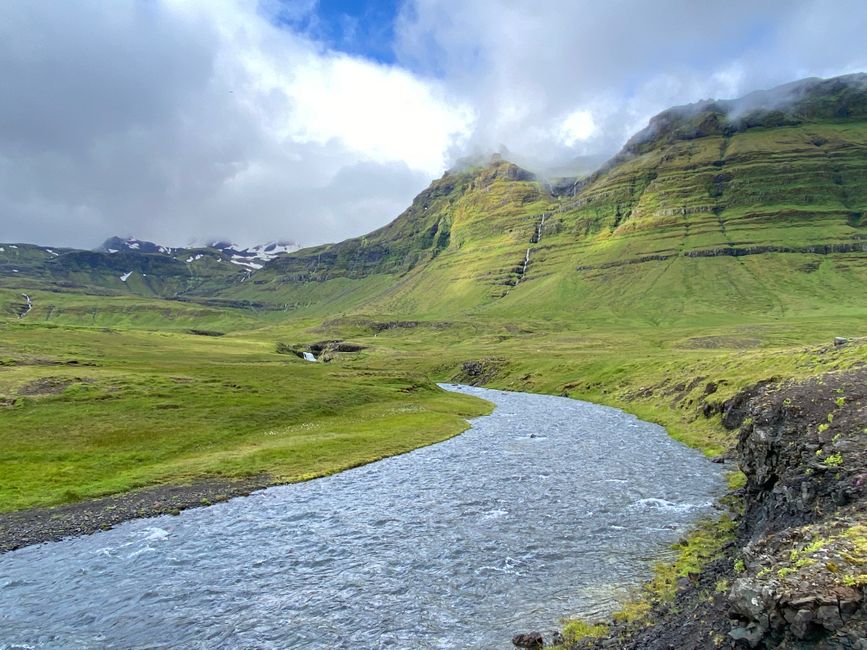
point(91, 411)
point(709, 252)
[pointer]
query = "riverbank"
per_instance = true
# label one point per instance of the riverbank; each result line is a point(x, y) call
point(793, 574)
point(413, 551)
point(38, 525)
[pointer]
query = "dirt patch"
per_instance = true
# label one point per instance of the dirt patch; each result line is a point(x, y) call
point(19, 529)
point(206, 332)
point(479, 372)
point(719, 342)
point(46, 386)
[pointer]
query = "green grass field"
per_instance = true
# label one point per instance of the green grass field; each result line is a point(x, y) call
point(93, 411)
point(98, 410)
point(103, 388)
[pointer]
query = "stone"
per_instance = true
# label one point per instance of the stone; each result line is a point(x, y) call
point(751, 634)
point(799, 621)
point(528, 640)
point(555, 638)
point(828, 616)
point(839, 340)
point(751, 600)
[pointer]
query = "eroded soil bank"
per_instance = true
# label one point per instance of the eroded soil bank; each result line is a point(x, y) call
point(795, 574)
point(37, 525)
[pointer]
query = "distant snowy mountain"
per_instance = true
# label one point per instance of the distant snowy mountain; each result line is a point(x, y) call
point(127, 244)
point(252, 258)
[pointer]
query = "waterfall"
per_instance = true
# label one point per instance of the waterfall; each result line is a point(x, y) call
point(309, 357)
point(27, 306)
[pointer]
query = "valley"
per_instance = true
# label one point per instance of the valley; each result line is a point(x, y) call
point(718, 261)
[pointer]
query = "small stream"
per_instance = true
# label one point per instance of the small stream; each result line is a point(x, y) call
point(548, 507)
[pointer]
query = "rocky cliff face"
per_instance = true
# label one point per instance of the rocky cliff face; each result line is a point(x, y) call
point(803, 448)
point(795, 576)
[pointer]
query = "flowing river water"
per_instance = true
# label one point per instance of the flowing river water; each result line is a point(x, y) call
point(547, 507)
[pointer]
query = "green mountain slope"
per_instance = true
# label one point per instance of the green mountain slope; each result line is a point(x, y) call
point(755, 205)
point(749, 206)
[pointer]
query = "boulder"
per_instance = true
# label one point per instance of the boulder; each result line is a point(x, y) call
point(528, 640)
point(749, 636)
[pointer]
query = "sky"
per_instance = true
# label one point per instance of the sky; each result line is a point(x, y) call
point(182, 121)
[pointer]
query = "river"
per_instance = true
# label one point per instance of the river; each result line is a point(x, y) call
point(547, 507)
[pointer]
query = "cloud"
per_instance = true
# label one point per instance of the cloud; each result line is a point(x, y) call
point(181, 120)
point(531, 70)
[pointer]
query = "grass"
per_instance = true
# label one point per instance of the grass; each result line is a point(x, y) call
point(93, 412)
point(147, 402)
point(594, 318)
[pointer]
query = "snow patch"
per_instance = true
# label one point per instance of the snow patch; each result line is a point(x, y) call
point(48, 250)
point(125, 276)
point(267, 252)
point(242, 262)
point(193, 258)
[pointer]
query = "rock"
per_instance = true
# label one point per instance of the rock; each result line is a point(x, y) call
point(828, 616)
point(800, 621)
point(718, 459)
point(555, 638)
point(839, 340)
point(752, 600)
point(751, 635)
point(528, 640)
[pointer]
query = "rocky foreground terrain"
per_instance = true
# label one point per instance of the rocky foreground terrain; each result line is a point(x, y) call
point(795, 574)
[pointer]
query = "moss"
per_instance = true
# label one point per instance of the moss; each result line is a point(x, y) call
point(702, 545)
point(574, 630)
point(736, 480)
point(834, 460)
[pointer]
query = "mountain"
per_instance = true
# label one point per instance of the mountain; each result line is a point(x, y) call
point(755, 204)
point(131, 244)
point(709, 277)
point(126, 265)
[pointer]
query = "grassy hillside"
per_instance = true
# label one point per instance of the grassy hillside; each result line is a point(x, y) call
point(92, 411)
point(713, 209)
point(725, 245)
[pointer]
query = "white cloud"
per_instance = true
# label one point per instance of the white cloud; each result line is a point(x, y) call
point(179, 119)
point(524, 65)
point(577, 126)
point(182, 120)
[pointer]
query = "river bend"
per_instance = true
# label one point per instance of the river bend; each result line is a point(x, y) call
point(549, 506)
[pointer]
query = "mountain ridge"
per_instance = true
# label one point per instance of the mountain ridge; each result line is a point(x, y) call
point(694, 191)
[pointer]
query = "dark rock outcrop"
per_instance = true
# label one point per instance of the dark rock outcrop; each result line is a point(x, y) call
point(528, 640)
point(795, 577)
